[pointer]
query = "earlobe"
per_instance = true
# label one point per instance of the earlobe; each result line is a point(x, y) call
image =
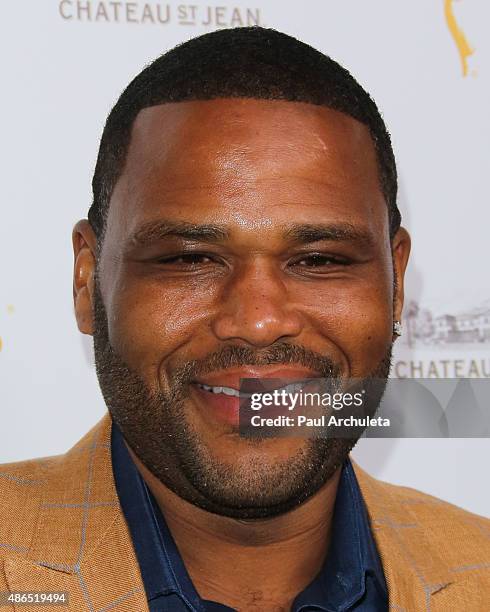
point(84, 249)
point(401, 250)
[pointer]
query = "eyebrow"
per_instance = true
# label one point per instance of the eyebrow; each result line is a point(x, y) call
point(153, 231)
point(336, 232)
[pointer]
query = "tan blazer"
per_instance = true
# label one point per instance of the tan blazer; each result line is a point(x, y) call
point(62, 529)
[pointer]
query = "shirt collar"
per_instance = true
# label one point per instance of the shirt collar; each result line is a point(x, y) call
point(161, 566)
point(352, 554)
point(351, 558)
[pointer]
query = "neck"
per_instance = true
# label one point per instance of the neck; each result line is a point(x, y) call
point(225, 556)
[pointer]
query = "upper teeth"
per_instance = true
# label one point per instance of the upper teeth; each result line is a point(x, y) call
point(225, 390)
point(291, 388)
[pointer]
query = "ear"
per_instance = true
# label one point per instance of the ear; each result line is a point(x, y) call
point(84, 251)
point(400, 248)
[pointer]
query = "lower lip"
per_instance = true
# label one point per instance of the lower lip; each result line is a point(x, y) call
point(221, 407)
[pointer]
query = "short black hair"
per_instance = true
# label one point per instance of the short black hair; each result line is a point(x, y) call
point(250, 62)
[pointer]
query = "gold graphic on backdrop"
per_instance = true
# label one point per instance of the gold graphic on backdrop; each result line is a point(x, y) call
point(457, 33)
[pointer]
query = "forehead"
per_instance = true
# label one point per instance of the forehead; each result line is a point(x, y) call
point(242, 156)
point(225, 128)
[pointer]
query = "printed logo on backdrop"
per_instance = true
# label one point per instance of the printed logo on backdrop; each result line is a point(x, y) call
point(157, 13)
point(460, 338)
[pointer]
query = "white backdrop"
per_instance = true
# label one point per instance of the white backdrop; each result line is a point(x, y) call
point(63, 64)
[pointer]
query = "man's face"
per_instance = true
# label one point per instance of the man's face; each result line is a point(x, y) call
point(245, 238)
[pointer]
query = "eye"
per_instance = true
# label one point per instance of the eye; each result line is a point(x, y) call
point(186, 260)
point(314, 261)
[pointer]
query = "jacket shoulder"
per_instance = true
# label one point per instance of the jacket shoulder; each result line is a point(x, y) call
point(21, 489)
point(26, 485)
point(434, 532)
point(418, 501)
point(381, 496)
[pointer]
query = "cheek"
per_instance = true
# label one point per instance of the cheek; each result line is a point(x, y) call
point(150, 320)
point(357, 318)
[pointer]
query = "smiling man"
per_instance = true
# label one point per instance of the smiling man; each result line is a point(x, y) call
point(244, 225)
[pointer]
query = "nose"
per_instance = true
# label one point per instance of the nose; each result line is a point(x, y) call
point(257, 308)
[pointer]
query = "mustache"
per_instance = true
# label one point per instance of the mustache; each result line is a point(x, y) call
point(235, 356)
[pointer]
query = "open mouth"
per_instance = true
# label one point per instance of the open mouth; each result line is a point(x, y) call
point(219, 396)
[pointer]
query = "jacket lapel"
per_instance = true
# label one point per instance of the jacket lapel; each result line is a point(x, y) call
point(415, 573)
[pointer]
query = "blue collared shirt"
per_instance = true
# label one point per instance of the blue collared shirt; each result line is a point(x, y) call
point(352, 577)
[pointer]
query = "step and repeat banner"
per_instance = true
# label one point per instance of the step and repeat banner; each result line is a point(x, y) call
point(426, 63)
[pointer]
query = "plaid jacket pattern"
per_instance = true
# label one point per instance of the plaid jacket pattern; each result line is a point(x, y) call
point(62, 529)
